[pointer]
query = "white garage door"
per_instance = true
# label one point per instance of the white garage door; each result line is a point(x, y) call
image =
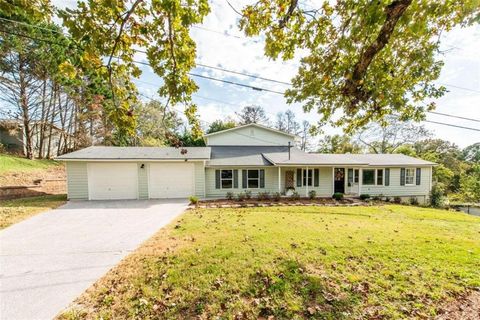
point(112, 181)
point(171, 180)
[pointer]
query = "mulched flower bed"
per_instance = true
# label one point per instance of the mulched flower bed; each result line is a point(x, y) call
point(225, 203)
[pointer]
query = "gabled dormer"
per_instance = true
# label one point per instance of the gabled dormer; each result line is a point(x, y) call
point(250, 135)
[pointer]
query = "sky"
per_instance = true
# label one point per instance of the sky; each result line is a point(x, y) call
point(221, 44)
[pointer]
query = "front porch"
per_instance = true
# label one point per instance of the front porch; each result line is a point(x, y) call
point(325, 181)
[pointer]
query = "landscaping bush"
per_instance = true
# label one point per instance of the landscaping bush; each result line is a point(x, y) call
point(364, 196)
point(295, 195)
point(276, 196)
point(193, 199)
point(312, 194)
point(229, 195)
point(248, 194)
point(397, 200)
point(263, 195)
point(437, 195)
point(414, 201)
point(376, 198)
point(388, 199)
point(337, 196)
point(241, 196)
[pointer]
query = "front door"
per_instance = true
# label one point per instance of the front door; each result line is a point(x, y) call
point(339, 180)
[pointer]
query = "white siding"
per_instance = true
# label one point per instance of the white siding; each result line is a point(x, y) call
point(395, 189)
point(77, 180)
point(249, 136)
point(142, 180)
point(200, 179)
point(271, 182)
point(325, 187)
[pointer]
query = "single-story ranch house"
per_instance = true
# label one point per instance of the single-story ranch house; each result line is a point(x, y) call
point(250, 157)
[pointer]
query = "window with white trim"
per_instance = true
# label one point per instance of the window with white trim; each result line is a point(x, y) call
point(409, 176)
point(226, 179)
point(307, 180)
point(253, 179)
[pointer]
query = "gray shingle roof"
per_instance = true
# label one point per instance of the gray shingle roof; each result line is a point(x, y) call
point(242, 155)
point(299, 157)
point(388, 159)
point(302, 158)
point(137, 153)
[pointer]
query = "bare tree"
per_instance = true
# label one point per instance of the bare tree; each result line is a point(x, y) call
point(305, 135)
point(280, 122)
point(286, 122)
point(387, 138)
point(252, 114)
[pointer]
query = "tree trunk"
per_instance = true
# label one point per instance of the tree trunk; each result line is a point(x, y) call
point(43, 120)
point(27, 129)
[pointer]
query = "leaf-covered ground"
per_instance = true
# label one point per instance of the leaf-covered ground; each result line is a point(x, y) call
point(294, 263)
point(16, 210)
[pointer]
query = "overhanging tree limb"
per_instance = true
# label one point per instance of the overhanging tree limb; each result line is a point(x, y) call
point(353, 85)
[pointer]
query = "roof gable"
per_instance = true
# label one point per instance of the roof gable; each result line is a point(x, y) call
point(251, 125)
point(250, 135)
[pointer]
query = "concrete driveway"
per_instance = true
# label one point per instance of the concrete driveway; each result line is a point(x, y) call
point(50, 259)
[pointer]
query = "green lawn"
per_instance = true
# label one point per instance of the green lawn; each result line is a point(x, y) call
point(10, 163)
point(13, 211)
point(293, 263)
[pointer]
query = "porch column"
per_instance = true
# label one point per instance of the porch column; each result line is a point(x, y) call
point(306, 184)
point(279, 179)
point(360, 177)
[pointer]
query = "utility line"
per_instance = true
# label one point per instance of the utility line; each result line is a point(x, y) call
point(452, 125)
point(199, 64)
point(450, 115)
point(438, 113)
point(232, 71)
point(220, 80)
point(249, 86)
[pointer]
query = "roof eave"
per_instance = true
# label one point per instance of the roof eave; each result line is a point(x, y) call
point(132, 159)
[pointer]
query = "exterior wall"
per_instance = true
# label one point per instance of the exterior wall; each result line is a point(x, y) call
point(325, 187)
point(142, 181)
point(271, 182)
point(200, 179)
point(249, 136)
point(395, 189)
point(77, 180)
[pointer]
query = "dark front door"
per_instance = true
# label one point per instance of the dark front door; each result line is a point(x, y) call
point(339, 182)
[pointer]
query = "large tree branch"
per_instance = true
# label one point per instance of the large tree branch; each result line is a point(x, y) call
point(353, 85)
point(288, 15)
point(115, 44)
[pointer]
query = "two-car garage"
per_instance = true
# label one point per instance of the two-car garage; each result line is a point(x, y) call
point(113, 173)
point(114, 181)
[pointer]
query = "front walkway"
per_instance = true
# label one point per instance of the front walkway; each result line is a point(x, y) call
point(50, 259)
